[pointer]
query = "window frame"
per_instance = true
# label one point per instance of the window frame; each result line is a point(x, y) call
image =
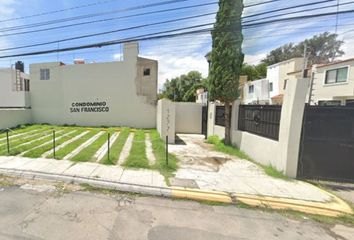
point(249, 88)
point(46, 74)
point(336, 81)
point(271, 87)
point(149, 71)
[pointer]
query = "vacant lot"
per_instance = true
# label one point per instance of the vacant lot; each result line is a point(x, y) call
point(133, 148)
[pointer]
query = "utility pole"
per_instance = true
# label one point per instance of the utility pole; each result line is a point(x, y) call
point(305, 60)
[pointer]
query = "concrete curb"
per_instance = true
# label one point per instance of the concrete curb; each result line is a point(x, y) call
point(335, 208)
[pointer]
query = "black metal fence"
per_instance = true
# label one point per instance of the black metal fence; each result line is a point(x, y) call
point(220, 116)
point(263, 120)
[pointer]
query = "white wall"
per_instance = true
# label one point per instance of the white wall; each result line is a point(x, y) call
point(260, 94)
point(13, 117)
point(119, 84)
point(212, 128)
point(273, 73)
point(9, 97)
point(282, 154)
point(189, 117)
point(165, 120)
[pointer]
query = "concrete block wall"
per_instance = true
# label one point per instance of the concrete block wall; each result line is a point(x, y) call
point(188, 117)
point(165, 119)
point(282, 154)
point(13, 117)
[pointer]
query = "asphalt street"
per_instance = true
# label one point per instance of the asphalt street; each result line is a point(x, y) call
point(42, 210)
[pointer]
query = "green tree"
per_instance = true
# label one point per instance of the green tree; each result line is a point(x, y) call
point(254, 72)
point(183, 88)
point(322, 48)
point(226, 57)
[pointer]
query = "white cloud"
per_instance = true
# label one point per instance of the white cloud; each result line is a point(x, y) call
point(117, 56)
point(255, 59)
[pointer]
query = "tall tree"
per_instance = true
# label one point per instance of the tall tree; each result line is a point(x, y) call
point(226, 57)
point(322, 48)
point(183, 88)
point(254, 72)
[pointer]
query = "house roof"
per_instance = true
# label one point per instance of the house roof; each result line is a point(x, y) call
point(337, 62)
point(280, 96)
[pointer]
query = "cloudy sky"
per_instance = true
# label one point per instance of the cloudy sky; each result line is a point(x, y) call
point(18, 27)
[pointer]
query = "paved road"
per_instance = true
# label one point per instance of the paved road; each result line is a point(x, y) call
point(41, 211)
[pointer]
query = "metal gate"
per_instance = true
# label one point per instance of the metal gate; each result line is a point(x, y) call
point(327, 144)
point(205, 121)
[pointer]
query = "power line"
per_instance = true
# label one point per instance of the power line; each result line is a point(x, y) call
point(245, 26)
point(151, 36)
point(300, 11)
point(108, 32)
point(115, 11)
point(68, 9)
point(100, 20)
point(288, 8)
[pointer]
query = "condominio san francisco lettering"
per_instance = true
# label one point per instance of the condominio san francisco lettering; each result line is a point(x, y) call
point(95, 107)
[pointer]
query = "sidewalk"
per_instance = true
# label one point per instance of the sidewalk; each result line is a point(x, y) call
point(228, 181)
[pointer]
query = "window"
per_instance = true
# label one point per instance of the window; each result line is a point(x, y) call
point(44, 74)
point(339, 75)
point(271, 87)
point(27, 85)
point(146, 71)
point(329, 103)
point(251, 89)
point(285, 83)
point(349, 102)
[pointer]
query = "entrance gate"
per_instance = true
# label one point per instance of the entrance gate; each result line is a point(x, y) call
point(205, 121)
point(327, 144)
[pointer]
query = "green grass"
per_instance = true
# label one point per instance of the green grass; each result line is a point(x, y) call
point(16, 149)
point(87, 154)
point(60, 154)
point(39, 151)
point(25, 131)
point(220, 146)
point(116, 148)
point(137, 156)
point(159, 150)
point(18, 129)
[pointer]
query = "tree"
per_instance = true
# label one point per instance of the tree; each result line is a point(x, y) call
point(183, 88)
point(322, 48)
point(254, 72)
point(226, 57)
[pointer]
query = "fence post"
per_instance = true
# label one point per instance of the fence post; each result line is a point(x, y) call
point(54, 144)
point(167, 150)
point(8, 141)
point(109, 136)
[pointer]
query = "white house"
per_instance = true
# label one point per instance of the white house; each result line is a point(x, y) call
point(256, 92)
point(333, 83)
point(14, 88)
point(201, 96)
point(271, 89)
point(120, 93)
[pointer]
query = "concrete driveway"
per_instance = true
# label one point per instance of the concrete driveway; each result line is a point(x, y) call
point(202, 167)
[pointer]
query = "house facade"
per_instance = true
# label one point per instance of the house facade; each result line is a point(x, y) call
point(271, 89)
point(120, 93)
point(14, 87)
point(333, 84)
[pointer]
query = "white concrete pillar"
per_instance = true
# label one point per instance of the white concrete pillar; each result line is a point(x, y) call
point(291, 124)
point(131, 51)
point(236, 136)
point(211, 118)
point(165, 120)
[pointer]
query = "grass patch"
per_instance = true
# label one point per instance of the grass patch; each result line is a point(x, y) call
point(36, 153)
point(87, 154)
point(116, 148)
point(61, 153)
point(220, 146)
point(159, 150)
point(137, 156)
point(18, 148)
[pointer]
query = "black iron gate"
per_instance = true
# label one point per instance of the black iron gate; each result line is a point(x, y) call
point(327, 144)
point(205, 121)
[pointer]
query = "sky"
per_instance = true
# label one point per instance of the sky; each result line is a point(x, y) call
point(177, 55)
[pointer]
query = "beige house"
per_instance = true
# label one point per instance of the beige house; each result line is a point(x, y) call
point(277, 75)
point(333, 83)
point(119, 93)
